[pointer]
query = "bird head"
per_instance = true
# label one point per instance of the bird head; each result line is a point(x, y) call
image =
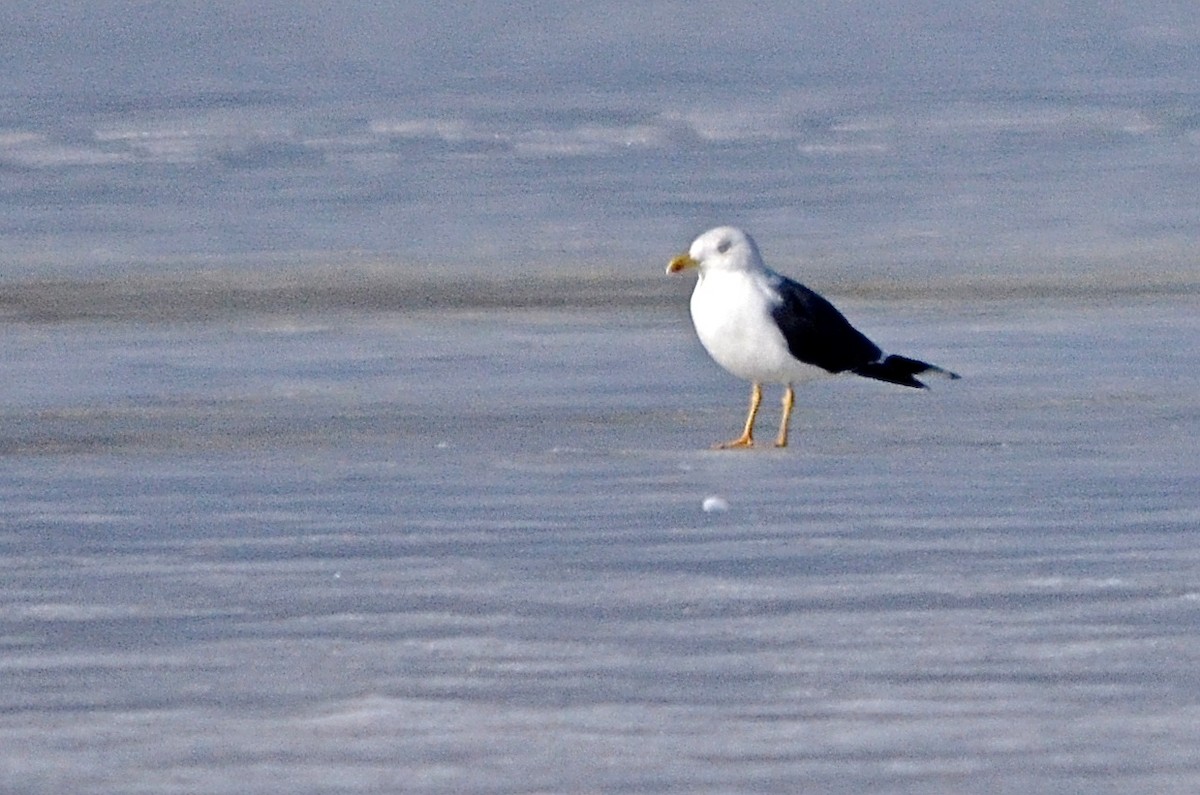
point(724, 248)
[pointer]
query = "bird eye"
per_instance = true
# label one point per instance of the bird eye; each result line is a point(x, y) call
point(724, 245)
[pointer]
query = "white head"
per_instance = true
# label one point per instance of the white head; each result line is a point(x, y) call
point(724, 248)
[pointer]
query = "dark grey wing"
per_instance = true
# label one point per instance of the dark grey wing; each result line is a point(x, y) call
point(816, 332)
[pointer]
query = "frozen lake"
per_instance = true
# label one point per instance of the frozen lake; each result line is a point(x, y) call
point(464, 551)
point(352, 440)
point(924, 137)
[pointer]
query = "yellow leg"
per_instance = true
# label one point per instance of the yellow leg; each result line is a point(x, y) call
point(747, 437)
point(789, 399)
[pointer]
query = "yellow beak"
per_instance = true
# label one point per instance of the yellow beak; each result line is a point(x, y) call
point(682, 263)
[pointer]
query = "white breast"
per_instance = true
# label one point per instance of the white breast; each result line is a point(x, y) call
point(732, 315)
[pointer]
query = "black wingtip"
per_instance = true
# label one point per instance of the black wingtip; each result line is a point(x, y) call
point(901, 370)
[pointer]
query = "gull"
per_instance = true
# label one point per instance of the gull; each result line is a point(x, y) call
point(768, 329)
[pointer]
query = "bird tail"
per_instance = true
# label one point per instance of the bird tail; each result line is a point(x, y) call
point(901, 370)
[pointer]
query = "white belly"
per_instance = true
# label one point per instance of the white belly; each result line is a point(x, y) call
point(732, 315)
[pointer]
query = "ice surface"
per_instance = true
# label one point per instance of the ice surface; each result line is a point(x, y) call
point(465, 551)
point(352, 441)
point(943, 136)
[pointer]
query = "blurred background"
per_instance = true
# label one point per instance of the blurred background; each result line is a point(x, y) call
point(917, 137)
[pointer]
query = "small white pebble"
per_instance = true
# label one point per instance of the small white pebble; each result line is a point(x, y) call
point(715, 504)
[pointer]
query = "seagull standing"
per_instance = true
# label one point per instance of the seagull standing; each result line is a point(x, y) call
point(767, 328)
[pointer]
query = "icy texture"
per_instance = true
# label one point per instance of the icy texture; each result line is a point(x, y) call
point(464, 553)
